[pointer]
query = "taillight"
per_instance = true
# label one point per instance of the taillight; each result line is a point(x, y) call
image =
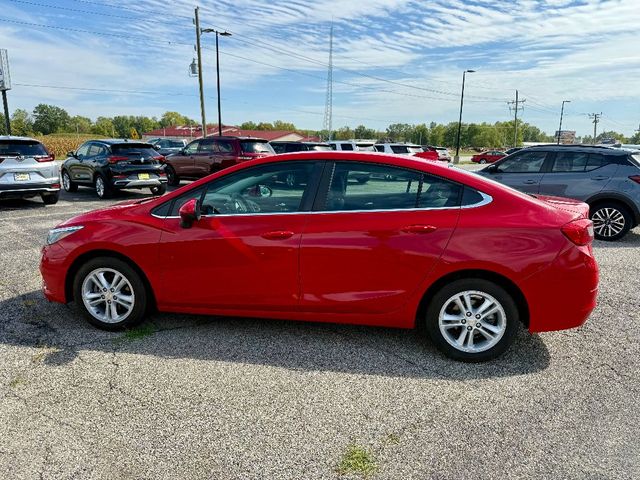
point(116, 159)
point(579, 231)
point(48, 158)
point(159, 158)
point(635, 178)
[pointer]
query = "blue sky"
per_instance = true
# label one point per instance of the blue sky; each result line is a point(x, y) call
point(395, 60)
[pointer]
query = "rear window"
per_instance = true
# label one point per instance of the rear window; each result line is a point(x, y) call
point(13, 148)
point(251, 146)
point(399, 149)
point(133, 149)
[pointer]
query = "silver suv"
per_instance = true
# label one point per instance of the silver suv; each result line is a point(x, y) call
point(608, 179)
point(27, 170)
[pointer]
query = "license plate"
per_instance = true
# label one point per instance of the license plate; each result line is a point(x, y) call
point(21, 177)
point(143, 176)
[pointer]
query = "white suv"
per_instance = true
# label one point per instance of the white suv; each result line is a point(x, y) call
point(398, 148)
point(353, 145)
point(27, 170)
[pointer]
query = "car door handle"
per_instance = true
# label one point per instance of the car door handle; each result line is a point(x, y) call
point(530, 182)
point(600, 177)
point(278, 235)
point(419, 229)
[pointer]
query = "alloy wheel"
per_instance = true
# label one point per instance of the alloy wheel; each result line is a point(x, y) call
point(66, 181)
point(100, 187)
point(472, 321)
point(608, 222)
point(107, 295)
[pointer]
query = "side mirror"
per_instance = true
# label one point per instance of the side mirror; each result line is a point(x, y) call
point(492, 168)
point(190, 213)
point(71, 154)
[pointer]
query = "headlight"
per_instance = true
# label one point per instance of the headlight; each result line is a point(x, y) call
point(59, 233)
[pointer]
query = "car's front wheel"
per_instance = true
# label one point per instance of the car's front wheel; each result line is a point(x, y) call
point(111, 293)
point(172, 177)
point(472, 320)
point(611, 221)
point(67, 183)
point(103, 189)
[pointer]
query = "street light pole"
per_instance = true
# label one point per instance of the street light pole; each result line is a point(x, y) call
point(222, 34)
point(456, 159)
point(198, 32)
point(561, 114)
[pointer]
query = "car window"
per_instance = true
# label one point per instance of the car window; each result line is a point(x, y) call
point(295, 147)
point(526, 162)
point(278, 147)
point(253, 146)
point(225, 146)
point(82, 151)
point(365, 147)
point(21, 147)
point(94, 150)
point(182, 199)
point(437, 192)
point(570, 162)
point(273, 188)
point(333, 146)
point(346, 146)
point(192, 148)
point(399, 149)
point(379, 148)
point(357, 186)
point(207, 146)
point(320, 148)
point(134, 149)
point(596, 160)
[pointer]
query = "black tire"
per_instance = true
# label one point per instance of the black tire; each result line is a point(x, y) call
point(159, 190)
point(441, 301)
point(483, 161)
point(103, 187)
point(137, 285)
point(172, 177)
point(607, 219)
point(68, 185)
point(50, 198)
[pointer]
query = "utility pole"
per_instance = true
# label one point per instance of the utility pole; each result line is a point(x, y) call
point(596, 118)
point(204, 119)
point(5, 84)
point(328, 106)
point(7, 120)
point(561, 114)
point(456, 158)
point(516, 104)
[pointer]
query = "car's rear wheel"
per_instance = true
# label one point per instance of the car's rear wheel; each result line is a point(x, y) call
point(472, 320)
point(103, 189)
point(50, 198)
point(111, 293)
point(172, 177)
point(611, 221)
point(67, 183)
point(159, 190)
point(483, 161)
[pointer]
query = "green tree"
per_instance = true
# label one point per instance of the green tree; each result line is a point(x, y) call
point(399, 132)
point(343, 133)
point(363, 132)
point(79, 124)
point(172, 119)
point(21, 123)
point(104, 126)
point(436, 134)
point(122, 125)
point(50, 119)
point(280, 125)
point(249, 126)
point(145, 124)
point(3, 127)
point(264, 126)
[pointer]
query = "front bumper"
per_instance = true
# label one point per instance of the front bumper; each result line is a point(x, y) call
point(53, 271)
point(563, 294)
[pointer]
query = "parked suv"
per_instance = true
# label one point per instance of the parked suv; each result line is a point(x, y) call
point(110, 165)
point(353, 145)
point(207, 155)
point(288, 147)
point(167, 146)
point(608, 179)
point(27, 169)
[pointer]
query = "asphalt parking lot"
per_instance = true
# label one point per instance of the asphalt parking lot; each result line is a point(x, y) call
point(201, 397)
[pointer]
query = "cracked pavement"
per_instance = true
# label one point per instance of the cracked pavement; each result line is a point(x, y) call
point(222, 398)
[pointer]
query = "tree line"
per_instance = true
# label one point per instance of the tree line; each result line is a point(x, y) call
point(49, 119)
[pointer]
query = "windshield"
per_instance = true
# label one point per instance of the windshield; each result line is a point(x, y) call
point(24, 148)
point(134, 149)
point(365, 147)
point(256, 146)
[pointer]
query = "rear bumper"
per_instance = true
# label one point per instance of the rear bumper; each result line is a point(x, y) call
point(18, 190)
point(564, 294)
point(156, 182)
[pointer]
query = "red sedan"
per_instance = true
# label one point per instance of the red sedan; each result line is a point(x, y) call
point(488, 157)
point(418, 245)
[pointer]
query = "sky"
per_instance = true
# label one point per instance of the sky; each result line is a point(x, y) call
point(395, 61)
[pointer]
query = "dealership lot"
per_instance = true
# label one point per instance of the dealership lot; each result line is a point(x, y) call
point(202, 397)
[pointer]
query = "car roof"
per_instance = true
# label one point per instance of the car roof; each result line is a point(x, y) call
point(579, 148)
point(21, 139)
point(232, 137)
point(118, 141)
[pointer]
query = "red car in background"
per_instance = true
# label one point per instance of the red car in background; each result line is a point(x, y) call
point(462, 258)
point(429, 153)
point(488, 157)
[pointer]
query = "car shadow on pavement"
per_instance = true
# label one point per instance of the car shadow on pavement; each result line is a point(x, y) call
point(29, 320)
